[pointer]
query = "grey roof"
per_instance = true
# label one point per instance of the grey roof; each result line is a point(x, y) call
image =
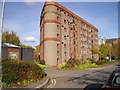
point(9, 45)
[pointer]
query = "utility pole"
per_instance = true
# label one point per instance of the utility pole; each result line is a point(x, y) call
point(1, 28)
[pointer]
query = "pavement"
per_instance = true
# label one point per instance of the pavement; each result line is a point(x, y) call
point(37, 84)
point(30, 86)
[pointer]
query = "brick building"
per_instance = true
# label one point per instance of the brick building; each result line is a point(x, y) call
point(113, 41)
point(65, 35)
point(116, 41)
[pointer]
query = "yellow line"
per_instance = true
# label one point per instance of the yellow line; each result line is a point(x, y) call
point(50, 84)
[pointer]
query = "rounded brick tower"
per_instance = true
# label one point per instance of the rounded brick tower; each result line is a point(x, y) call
point(50, 41)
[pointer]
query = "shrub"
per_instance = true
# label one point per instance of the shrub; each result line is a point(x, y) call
point(92, 60)
point(102, 62)
point(72, 62)
point(17, 71)
point(61, 66)
point(42, 66)
point(93, 65)
point(41, 62)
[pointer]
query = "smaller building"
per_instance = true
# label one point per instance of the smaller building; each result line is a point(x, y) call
point(116, 41)
point(10, 51)
point(113, 41)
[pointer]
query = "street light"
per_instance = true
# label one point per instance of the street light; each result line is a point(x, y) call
point(1, 28)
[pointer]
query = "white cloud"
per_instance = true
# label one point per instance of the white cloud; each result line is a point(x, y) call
point(63, 0)
point(30, 3)
point(29, 39)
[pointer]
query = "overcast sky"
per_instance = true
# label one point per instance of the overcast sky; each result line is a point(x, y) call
point(24, 18)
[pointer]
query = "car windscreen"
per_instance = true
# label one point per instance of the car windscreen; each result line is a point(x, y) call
point(116, 80)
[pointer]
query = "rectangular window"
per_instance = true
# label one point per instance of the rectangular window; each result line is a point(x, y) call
point(58, 35)
point(58, 45)
point(58, 18)
point(65, 21)
point(65, 37)
point(57, 53)
point(65, 29)
point(57, 25)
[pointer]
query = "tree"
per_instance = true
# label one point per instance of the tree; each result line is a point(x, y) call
point(37, 52)
point(95, 50)
point(104, 50)
point(10, 37)
point(25, 46)
point(115, 50)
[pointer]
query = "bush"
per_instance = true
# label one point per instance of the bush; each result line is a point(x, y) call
point(102, 62)
point(17, 71)
point(92, 60)
point(41, 62)
point(72, 62)
point(42, 66)
point(93, 65)
point(77, 64)
point(61, 66)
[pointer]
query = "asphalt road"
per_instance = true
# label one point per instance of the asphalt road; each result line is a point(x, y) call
point(89, 78)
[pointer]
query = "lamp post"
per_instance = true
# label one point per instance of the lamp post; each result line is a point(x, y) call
point(1, 28)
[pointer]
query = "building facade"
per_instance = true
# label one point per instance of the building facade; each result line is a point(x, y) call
point(113, 41)
point(10, 51)
point(65, 35)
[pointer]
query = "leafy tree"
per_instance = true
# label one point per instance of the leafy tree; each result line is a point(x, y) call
point(95, 50)
point(10, 37)
point(37, 52)
point(25, 46)
point(104, 50)
point(115, 50)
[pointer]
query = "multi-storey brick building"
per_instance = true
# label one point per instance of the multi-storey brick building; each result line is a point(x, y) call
point(65, 35)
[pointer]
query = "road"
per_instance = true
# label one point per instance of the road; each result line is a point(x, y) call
point(95, 77)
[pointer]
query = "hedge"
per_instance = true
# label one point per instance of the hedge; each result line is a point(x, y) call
point(20, 72)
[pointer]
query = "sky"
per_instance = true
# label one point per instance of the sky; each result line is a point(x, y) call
point(24, 18)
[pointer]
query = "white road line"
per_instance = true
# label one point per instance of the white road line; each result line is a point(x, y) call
point(42, 84)
point(53, 83)
point(50, 84)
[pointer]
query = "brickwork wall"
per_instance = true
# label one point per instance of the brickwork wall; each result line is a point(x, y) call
point(65, 35)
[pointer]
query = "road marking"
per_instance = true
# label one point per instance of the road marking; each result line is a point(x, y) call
point(50, 84)
point(42, 84)
point(53, 82)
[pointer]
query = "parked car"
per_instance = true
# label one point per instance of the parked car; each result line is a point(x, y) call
point(113, 83)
